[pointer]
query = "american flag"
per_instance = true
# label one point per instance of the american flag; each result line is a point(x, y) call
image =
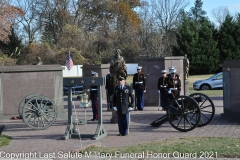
point(69, 62)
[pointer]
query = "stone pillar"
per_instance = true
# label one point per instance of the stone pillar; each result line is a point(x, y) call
point(231, 91)
point(101, 69)
point(152, 70)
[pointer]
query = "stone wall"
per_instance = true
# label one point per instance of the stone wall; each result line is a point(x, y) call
point(152, 69)
point(16, 82)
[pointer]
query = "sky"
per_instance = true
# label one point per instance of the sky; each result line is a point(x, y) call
point(209, 5)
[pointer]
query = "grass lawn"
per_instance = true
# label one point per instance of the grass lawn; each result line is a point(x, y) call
point(209, 92)
point(4, 140)
point(202, 147)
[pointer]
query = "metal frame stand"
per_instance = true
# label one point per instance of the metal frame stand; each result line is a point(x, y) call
point(87, 81)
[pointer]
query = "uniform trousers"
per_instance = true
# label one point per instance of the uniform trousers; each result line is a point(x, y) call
point(139, 99)
point(164, 100)
point(95, 107)
point(109, 101)
point(123, 122)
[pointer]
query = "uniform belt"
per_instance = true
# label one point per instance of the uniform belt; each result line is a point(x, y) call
point(138, 82)
point(93, 89)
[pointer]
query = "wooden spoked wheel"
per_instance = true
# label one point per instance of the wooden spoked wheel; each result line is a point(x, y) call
point(23, 101)
point(39, 112)
point(206, 106)
point(183, 113)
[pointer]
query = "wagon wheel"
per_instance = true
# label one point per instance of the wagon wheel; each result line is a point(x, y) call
point(39, 112)
point(183, 113)
point(23, 101)
point(206, 106)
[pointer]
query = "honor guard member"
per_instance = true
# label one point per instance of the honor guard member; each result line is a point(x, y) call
point(174, 83)
point(94, 98)
point(122, 102)
point(170, 69)
point(139, 87)
point(109, 87)
point(162, 89)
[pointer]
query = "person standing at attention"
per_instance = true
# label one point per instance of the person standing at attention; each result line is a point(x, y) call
point(109, 87)
point(94, 98)
point(122, 102)
point(139, 87)
point(162, 90)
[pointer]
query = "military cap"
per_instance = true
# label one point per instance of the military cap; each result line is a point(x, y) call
point(121, 78)
point(94, 73)
point(163, 71)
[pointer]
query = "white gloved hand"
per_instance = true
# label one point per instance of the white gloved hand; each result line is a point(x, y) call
point(115, 108)
point(88, 90)
point(133, 90)
point(144, 91)
point(130, 108)
point(169, 91)
point(158, 91)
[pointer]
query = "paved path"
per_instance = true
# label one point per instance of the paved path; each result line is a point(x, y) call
point(39, 142)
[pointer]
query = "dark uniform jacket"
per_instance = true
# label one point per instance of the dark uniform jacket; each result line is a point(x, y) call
point(123, 99)
point(109, 83)
point(93, 92)
point(174, 82)
point(162, 82)
point(138, 81)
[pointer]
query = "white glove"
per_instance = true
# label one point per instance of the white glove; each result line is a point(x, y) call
point(115, 108)
point(144, 91)
point(88, 90)
point(158, 91)
point(130, 108)
point(133, 90)
point(169, 91)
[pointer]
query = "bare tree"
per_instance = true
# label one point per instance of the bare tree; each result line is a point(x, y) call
point(160, 21)
point(168, 13)
point(219, 14)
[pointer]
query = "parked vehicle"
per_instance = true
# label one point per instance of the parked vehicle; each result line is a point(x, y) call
point(75, 90)
point(214, 82)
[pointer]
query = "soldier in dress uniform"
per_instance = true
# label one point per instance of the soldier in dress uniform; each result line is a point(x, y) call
point(109, 87)
point(139, 87)
point(174, 82)
point(94, 98)
point(122, 102)
point(162, 89)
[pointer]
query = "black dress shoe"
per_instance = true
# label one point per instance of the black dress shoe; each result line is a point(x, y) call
point(124, 135)
point(119, 135)
point(92, 119)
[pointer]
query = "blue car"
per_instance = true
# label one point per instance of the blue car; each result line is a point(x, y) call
point(214, 82)
point(75, 90)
